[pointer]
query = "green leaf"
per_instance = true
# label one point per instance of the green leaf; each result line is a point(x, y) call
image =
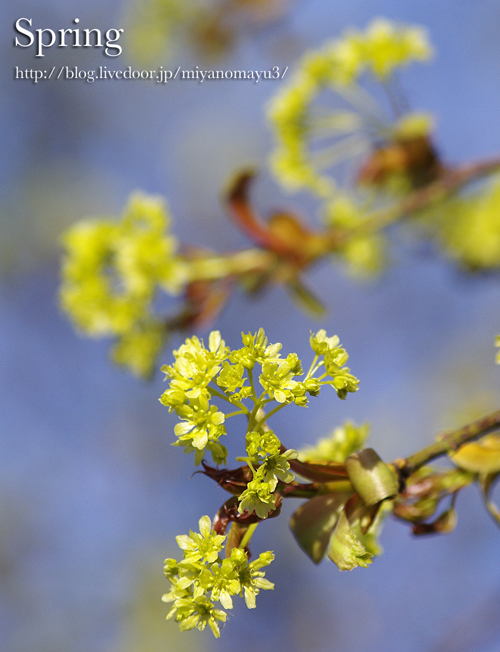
point(345, 549)
point(481, 456)
point(371, 477)
point(312, 524)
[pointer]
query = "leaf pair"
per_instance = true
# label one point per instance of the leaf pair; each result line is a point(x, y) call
point(337, 524)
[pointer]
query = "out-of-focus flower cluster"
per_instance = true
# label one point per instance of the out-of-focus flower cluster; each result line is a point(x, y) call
point(468, 228)
point(363, 256)
point(314, 136)
point(111, 273)
point(380, 50)
point(202, 578)
point(338, 446)
point(156, 28)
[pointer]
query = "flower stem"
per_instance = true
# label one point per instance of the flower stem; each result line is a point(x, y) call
point(312, 368)
point(252, 385)
point(215, 392)
point(247, 536)
point(269, 414)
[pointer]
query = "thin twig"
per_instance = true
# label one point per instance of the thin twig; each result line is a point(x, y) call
point(449, 182)
point(448, 442)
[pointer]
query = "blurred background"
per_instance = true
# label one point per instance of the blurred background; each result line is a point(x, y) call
point(91, 492)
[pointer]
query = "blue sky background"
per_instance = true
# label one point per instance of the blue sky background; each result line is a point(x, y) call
point(91, 492)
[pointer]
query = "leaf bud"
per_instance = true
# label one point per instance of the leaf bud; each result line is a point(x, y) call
point(370, 476)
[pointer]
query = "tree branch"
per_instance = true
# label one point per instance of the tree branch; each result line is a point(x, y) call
point(448, 442)
point(449, 182)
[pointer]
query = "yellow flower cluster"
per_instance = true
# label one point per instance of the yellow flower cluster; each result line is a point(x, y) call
point(152, 27)
point(288, 113)
point(385, 47)
point(363, 256)
point(139, 348)
point(470, 232)
point(380, 50)
point(111, 272)
point(343, 441)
